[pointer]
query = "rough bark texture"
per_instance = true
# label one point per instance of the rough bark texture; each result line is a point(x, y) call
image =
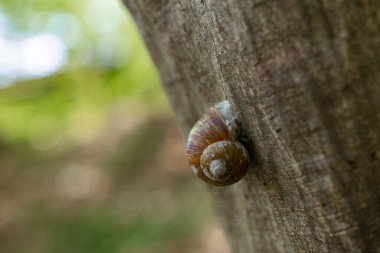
point(304, 78)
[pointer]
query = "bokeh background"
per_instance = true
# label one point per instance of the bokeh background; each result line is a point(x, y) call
point(91, 159)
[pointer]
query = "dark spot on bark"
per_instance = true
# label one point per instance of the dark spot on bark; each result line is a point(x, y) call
point(350, 162)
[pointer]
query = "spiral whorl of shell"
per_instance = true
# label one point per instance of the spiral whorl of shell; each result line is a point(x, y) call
point(212, 148)
point(209, 129)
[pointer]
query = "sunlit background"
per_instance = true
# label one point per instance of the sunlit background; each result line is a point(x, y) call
point(91, 159)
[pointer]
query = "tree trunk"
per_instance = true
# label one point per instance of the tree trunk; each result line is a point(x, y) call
point(304, 78)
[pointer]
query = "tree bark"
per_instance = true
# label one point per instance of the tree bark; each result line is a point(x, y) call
point(304, 78)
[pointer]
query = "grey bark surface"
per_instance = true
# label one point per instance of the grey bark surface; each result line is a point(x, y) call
point(304, 79)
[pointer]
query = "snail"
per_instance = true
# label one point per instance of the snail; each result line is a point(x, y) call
point(213, 150)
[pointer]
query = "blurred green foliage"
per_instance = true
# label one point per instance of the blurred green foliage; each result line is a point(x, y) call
point(106, 61)
point(104, 231)
point(89, 159)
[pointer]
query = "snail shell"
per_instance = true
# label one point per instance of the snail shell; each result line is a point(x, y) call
point(212, 148)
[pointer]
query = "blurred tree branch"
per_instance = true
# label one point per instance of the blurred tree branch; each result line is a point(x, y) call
point(304, 78)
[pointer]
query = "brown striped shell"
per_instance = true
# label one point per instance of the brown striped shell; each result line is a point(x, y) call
point(212, 148)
